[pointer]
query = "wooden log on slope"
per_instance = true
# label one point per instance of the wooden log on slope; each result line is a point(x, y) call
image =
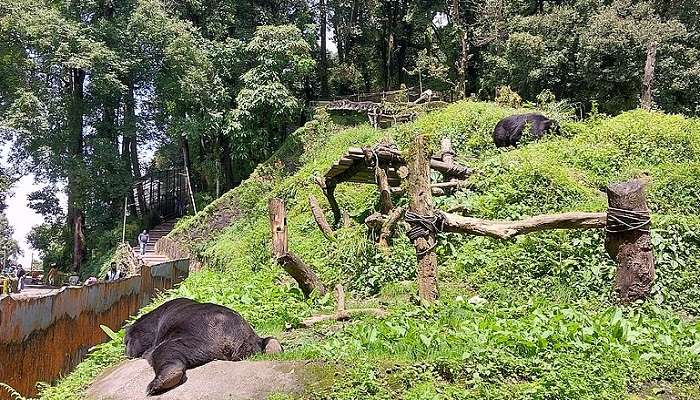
point(320, 218)
point(304, 276)
point(509, 229)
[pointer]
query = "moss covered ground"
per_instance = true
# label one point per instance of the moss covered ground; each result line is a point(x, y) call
point(545, 326)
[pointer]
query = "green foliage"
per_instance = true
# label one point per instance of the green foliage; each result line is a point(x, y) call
point(506, 97)
point(527, 318)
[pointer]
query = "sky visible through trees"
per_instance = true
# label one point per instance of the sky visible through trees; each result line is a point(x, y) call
point(85, 86)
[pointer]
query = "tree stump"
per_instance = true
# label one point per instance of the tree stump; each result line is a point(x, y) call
point(628, 240)
point(278, 223)
point(421, 203)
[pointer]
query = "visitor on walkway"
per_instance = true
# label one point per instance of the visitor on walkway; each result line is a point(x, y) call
point(51, 278)
point(143, 241)
point(179, 209)
point(20, 277)
point(113, 274)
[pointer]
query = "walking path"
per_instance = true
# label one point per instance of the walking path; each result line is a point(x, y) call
point(151, 257)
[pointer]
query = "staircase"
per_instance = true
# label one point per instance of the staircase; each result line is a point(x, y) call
point(151, 257)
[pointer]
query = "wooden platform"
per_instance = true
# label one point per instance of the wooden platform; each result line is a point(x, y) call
point(355, 167)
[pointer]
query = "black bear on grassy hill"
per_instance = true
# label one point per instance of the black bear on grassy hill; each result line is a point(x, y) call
point(509, 130)
point(183, 334)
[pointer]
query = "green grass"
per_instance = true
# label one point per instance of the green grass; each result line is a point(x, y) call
point(549, 328)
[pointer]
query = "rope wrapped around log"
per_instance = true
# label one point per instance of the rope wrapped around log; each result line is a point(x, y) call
point(621, 220)
point(423, 226)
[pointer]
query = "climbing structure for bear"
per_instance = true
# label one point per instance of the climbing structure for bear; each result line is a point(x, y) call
point(627, 221)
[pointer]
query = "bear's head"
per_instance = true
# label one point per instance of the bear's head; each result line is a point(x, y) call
point(271, 345)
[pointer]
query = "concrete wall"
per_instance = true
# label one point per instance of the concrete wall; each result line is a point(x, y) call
point(44, 338)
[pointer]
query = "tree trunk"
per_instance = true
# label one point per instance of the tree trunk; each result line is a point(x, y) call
point(75, 184)
point(323, 64)
point(630, 248)
point(126, 159)
point(421, 203)
point(131, 136)
point(464, 49)
point(226, 166)
point(646, 101)
point(188, 168)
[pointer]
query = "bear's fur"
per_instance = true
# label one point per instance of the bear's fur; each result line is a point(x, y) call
point(183, 334)
point(509, 130)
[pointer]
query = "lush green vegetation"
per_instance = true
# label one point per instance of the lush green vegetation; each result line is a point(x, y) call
point(218, 86)
point(530, 318)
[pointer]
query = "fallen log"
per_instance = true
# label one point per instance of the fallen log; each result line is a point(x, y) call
point(509, 229)
point(341, 314)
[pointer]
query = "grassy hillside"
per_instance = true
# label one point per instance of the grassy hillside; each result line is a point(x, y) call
point(544, 326)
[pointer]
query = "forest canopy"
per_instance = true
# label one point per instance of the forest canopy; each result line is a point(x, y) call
point(217, 86)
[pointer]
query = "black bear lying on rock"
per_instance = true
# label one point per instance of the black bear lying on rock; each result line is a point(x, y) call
point(183, 334)
point(509, 130)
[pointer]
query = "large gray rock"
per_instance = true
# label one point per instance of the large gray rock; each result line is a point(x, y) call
point(216, 380)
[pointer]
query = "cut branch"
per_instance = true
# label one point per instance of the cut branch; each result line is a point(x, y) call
point(341, 314)
point(302, 273)
point(509, 229)
point(388, 226)
point(320, 218)
point(328, 188)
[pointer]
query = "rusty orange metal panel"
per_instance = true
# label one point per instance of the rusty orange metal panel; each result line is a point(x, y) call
point(44, 338)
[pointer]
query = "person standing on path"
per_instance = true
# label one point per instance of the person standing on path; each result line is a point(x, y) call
point(143, 241)
point(20, 277)
point(51, 279)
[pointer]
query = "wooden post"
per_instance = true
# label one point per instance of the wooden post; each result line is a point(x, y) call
point(645, 101)
point(278, 223)
point(302, 273)
point(341, 313)
point(448, 157)
point(630, 248)
point(421, 203)
point(320, 218)
point(384, 189)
